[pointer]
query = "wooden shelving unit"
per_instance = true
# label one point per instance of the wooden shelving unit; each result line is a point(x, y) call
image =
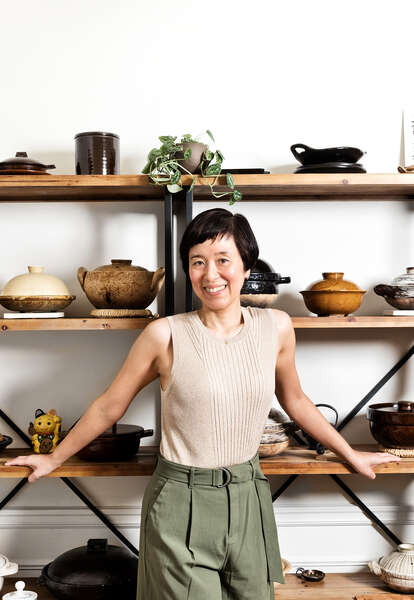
point(296, 460)
point(289, 186)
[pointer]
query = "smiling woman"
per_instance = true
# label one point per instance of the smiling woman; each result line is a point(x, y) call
point(207, 523)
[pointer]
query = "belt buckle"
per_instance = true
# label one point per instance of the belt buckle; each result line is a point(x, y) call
point(229, 476)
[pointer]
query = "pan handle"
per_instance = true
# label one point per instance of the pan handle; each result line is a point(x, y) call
point(146, 433)
point(296, 154)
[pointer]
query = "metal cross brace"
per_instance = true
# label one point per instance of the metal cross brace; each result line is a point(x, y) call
point(343, 423)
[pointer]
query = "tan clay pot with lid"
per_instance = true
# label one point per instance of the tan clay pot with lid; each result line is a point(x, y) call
point(121, 285)
point(333, 295)
point(396, 569)
point(35, 290)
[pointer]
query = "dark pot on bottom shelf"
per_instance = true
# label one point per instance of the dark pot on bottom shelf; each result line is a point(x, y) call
point(97, 571)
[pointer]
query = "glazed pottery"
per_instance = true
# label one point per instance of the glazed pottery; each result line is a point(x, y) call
point(35, 291)
point(5, 440)
point(400, 292)
point(194, 162)
point(120, 442)
point(333, 295)
point(96, 153)
point(21, 593)
point(261, 288)
point(6, 568)
point(310, 574)
point(311, 156)
point(121, 285)
point(98, 571)
point(21, 164)
point(275, 434)
point(392, 425)
point(396, 569)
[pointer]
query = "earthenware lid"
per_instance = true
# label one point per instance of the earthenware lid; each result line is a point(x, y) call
point(394, 413)
point(119, 264)
point(20, 593)
point(21, 162)
point(405, 278)
point(97, 563)
point(35, 283)
point(7, 567)
point(333, 281)
point(97, 133)
point(400, 562)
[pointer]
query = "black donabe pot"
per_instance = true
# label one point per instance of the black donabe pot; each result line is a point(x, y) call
point(121, 442)
point(96, 571)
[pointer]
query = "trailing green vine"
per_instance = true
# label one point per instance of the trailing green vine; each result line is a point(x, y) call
point(164, 165)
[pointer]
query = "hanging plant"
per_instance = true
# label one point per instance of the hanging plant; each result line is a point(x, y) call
point(166, 164)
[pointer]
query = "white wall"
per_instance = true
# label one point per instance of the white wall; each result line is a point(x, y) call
point(261, 76)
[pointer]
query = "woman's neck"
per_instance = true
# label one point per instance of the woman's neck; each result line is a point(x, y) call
point(225, 322)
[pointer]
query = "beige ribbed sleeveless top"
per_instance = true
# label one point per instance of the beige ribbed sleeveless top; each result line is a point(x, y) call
point(217, 400)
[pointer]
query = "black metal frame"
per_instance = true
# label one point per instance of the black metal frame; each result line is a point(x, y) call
point(186, 198)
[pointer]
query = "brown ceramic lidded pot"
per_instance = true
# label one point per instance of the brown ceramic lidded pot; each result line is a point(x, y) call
point(392, 425)
point(121, 285)
point(333, 295)
point(21, 164)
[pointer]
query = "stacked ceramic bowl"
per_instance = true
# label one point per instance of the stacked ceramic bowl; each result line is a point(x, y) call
point(342, 159)
point(275, 436)
point(261, 288)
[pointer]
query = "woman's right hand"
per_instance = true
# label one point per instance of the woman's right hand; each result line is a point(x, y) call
point(41, 464)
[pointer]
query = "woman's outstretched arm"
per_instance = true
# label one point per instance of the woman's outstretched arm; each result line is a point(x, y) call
point(138, 370)
point(305, 414)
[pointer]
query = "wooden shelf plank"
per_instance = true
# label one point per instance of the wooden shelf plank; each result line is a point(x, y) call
point(363, 322)
point(289, 186)
point(68, 324)
point(341, 586)
point(293, 461)
point(94, 324)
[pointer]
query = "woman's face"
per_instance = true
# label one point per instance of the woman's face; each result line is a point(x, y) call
point(217, 272)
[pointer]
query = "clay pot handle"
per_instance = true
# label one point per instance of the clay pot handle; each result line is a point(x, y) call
point(374, 567)
point(296, 154)
point(299, 572)
point(157, 280)
point(383, 290)
point(147, 433)
point(81, 276)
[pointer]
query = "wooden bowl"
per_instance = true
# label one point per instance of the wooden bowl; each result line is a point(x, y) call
point(272, 448)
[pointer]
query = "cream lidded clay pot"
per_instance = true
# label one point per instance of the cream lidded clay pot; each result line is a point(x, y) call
point(35, 291)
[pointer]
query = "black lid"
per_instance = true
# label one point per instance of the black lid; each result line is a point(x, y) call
point(97, 563)
point(21, 160)
point(99, 133)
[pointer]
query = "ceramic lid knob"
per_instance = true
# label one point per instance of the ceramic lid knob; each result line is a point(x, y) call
point(21, 593)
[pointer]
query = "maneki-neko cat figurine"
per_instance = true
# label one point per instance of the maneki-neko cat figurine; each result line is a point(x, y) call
point(45, 431)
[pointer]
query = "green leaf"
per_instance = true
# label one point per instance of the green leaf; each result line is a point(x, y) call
point(175, 177)
point(193, 183)
point(187, 137)
point(167, 139)
point(208, 155)
point(213, 169)
point(210, 135)
point(153, 154)
point(219, 156)
point(173, 188)
point(187, 154)
point(230, 180)
point(146, 169)
point(236, 196)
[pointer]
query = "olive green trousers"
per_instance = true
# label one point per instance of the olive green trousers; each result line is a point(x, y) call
point(208, 534)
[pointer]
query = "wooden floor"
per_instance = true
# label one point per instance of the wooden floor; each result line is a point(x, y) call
point(335, 586)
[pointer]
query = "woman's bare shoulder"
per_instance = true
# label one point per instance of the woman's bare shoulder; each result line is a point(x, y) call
point(283, 320)
point(158, 332)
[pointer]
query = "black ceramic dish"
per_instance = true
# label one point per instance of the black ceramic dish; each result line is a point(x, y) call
point(332, 167)
point(312, 156)
point(97, 571)
point(5, 441)
point(259, 287)
point(310, 574)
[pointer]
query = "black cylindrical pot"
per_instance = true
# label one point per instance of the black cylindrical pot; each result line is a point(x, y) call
point(97, 153)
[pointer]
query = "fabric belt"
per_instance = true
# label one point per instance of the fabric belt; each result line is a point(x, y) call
point(218, 477)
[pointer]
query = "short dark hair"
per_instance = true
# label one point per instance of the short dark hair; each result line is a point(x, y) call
point(217, 222)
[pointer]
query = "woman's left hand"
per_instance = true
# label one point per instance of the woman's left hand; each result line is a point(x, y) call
point(363, 462)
